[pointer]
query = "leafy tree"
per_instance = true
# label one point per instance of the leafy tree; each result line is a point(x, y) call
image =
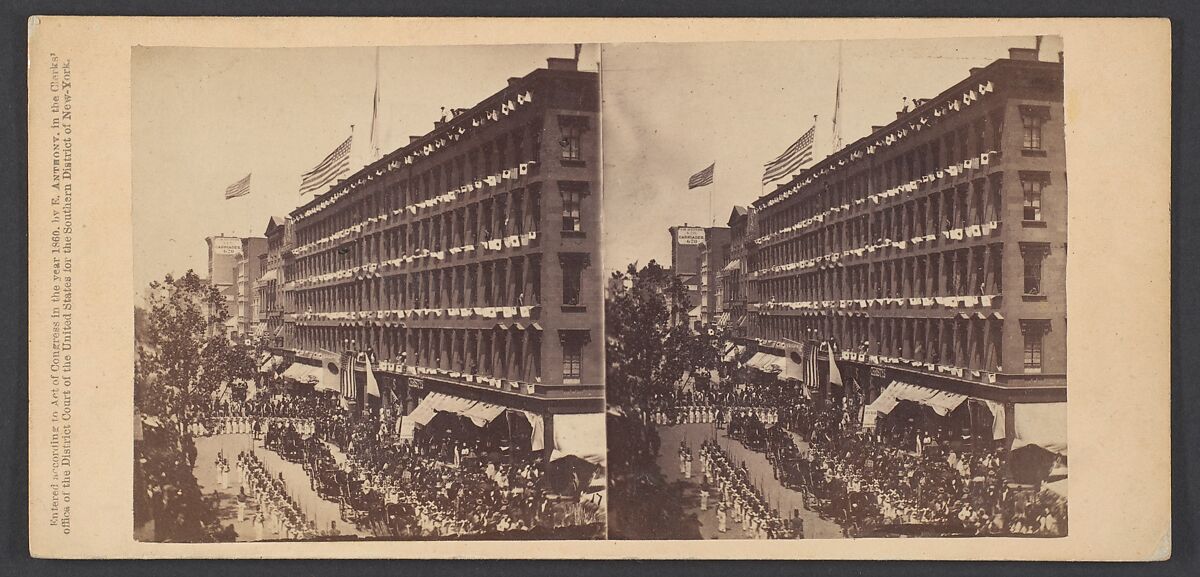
point(650, 347)
point(179, 365)
point(180, 362)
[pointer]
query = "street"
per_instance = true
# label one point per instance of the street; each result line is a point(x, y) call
point(761, 472)
point(312, 505)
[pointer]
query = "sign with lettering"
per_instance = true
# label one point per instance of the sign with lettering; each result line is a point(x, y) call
point(689, 235)
point(879, 372)
point(226, 245)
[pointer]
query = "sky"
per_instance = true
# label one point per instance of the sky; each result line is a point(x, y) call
point(205, 117)
point(670, 110)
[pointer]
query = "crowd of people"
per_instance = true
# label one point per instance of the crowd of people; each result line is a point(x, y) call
point(738, 501)
point(274, 513)
point(905, 475)
point(449, 479)
point(706, 400)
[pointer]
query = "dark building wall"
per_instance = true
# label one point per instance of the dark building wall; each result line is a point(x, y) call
point(990, 264)
point(554, 139)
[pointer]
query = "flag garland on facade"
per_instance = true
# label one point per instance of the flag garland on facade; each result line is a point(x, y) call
point(794, 158)
point(334, 166)
point(702, 178)
point(239, 188)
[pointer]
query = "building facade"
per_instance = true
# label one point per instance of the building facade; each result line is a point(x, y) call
point(714, 254)
point(223, 254)
point(686, 243)
point(467, 261)
point(249, 268)
point(732, 279)
point(932, 251)
point(269, 286)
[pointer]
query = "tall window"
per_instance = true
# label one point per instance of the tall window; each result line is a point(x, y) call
point(572, 197)
point(1032, 190)
point(1033, 333)
point(571, 270)
point(1033, 254)
point(1032, 119)
point(571, 129)
point(572, 361)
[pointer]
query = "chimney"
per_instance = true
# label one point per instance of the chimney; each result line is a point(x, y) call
point(412, 139)
point(438, 124)
point(1022, 53)
point(876, 128)
point(974, 70)
point(562, 64)
point(513, 81)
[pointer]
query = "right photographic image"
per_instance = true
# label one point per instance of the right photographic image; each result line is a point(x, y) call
point(835, 299)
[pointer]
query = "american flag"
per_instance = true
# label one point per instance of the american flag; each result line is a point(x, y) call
point(792, 159)
point(702, 178)
point(348, 386)
point(811, 372)
point(329, 170)
point(239, 188)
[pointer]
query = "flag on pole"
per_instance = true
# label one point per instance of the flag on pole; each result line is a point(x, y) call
point(792, 159)
point(702, 178)
point(835, 376)
point(329, 170)
point(811, 373)
point(347, 385)
point(239, 188)
point(372, 384)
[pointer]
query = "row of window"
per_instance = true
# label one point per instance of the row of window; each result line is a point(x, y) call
point(982, 135)
point(498, 353)
point(966, 205)
point(514, 281)
point(496, 217)
point(959, 272)
point(522, 145)
point(974, 343)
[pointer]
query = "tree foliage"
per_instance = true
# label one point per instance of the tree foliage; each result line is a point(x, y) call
point(180, 364)
point(179, 367)
point(650, 347)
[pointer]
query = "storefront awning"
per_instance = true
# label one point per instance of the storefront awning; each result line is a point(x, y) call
point(723, 319)
point(580, 435)
point(941, 402)
point(772, 363)
point(733, 265)
point(268, 276)
point(305, 374)
point(1041, 424)
point(481, 413)
point(755, 362)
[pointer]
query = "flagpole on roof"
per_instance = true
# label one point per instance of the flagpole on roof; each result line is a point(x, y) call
point(375, 113)
point(836, 136)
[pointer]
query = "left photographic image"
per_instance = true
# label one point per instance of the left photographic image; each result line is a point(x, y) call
point(368, 294)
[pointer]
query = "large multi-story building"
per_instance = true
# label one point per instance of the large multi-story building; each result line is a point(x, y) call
point(687, 248)
point(268, 286)
point(467, 261)
point(223, 254)
point(731, 279)
point(933, 251)
point(714, 253)
point(247, 271)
